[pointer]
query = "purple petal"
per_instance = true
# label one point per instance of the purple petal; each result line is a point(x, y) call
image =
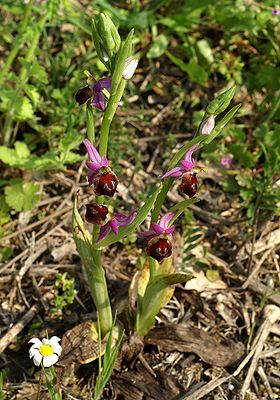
point(104, 162)
point(104, 230)
point(114, 225)
point(174, 172)
point(124, 220)
point(92, 152)
point(93, 166)
point(188, 156)
point(148, 235)
point(165, 220)
point(188, 166)
point(91, 176)
point(99, 101)
point(157, 229)
point(170, 230)
point(105, 83)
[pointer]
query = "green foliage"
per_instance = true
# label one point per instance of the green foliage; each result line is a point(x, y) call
point(22, 196)
point(65, 294)
point(108, 361)
point(3, 375)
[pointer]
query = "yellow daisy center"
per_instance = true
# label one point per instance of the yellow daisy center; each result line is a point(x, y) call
point(46, 350)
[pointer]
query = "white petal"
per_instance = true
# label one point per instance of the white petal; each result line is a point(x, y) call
point(37, 359)
point(57, 348)
point(50, 360)
point(36, 342)
point(33, 352)
point(54, 339)
point(46, 341)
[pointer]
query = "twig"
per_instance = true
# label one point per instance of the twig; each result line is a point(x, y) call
point(266, 383)
point(272, 315)
point(257, 268)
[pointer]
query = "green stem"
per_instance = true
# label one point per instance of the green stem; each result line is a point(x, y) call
point(19, 40)
point(108, 117)
point(99, 291)
point(90, 123)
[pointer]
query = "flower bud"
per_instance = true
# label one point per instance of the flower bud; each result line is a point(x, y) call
point(207, 125)
point(96, 213)
point(108, 34)
point(159, 249)
point(130, 67)
point(83, 95)
point(189, 184)
point(105, 184)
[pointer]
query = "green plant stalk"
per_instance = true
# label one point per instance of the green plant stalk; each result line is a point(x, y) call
point(90, 123)
point(108, 117)
point(117, 89)
point(18, 42)
point(22, 77)
point(91, 259)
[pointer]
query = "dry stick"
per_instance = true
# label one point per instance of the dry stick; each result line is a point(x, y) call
point(256, 269)
point(37, 223)
point(266, 383)
point(272, 315)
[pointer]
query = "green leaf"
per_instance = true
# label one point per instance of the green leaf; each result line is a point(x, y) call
point(154, 296)
point(22, 196)
point(140, 217)
point(23, 109)
point(204, 51)
point(195, 72)
point(32, 93)
point(14, 157)
point(221, 102)
point(158, 47)
point(221, 124)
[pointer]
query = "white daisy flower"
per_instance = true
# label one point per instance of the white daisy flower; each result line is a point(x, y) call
point(45, 352)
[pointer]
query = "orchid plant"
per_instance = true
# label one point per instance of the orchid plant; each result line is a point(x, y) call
point(153, 286)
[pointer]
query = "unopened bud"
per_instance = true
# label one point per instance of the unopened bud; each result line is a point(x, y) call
point(207, 125)
point(130, 67)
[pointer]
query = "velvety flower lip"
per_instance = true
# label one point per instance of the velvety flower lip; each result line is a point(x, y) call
point(115, 222)
point(275, 11)
point(186, 165)
point(96, 161)
point(160, 228)
point(99, 100)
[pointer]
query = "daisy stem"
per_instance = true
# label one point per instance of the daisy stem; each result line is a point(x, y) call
point(40, 383)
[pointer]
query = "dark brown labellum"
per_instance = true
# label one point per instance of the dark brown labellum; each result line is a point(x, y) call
point(83, 95)
point(96, 213)
point(105, 184)
point(189, 184)
point(160, 249)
